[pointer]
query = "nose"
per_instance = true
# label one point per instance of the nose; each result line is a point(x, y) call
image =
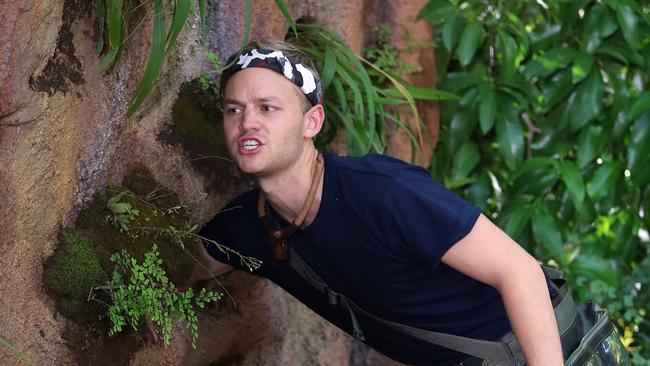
point(250, 120)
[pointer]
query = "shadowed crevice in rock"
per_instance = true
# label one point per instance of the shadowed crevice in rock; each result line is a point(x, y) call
point(197, 129)
point(63, 68)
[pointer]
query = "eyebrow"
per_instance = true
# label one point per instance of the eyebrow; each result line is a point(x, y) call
point(270, 98)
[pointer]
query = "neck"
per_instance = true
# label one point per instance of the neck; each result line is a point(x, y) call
point(288, 190)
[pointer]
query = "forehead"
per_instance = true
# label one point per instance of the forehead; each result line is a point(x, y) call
point(257, 81)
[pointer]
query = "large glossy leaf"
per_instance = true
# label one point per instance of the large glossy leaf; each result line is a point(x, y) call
point(629, 23)
point(573, 179)
point(547, 231)
point(487, 108)
point(640, 105)
point(510, 137)
point(551, 61)
point(594, 267)
point(507, 54)
point(589, 100)
point(462, 124)
point(517, 221)
point(590, 144)
point(556, 89)
point(638, 151)
point(452, 29)
point(581, 67)
point(470, 41)
point(437, 11)
point(544, 35)
point(604, 180)
point(465, 160)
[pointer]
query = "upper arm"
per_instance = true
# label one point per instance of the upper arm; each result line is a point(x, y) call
point(487, 254)
point(213, 266)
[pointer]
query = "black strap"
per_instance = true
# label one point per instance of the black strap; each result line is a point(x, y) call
point(493, 351)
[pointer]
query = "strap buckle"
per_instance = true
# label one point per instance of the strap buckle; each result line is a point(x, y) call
point(332, 296)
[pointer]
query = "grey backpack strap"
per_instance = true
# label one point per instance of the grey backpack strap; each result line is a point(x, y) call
point(493, 351)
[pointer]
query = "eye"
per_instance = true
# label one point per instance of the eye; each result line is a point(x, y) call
point(268, 108)
point(232, 110)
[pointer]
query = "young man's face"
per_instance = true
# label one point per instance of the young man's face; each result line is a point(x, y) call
point(264, 123)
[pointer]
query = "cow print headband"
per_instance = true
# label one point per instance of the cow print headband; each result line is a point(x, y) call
point(277, 61)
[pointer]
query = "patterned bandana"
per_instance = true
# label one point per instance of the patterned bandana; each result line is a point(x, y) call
point(288, 66)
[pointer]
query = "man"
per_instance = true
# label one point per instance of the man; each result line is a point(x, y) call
point(376, 229)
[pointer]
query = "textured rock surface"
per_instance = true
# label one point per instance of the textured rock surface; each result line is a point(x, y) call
point(64, 136)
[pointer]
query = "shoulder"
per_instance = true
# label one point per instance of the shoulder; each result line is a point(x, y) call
point(371, 166)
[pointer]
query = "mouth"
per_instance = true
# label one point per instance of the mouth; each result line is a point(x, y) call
point(248, 144)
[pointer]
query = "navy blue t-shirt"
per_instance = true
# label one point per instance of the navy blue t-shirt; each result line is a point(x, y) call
point(381, 229)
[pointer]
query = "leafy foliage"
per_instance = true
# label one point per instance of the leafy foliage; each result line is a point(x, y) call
point(149, 293)
point(384, 55)
point(116, 16)
point(352, 101)
point(551, 136)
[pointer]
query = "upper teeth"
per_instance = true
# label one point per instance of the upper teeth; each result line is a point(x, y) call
point(250, 144)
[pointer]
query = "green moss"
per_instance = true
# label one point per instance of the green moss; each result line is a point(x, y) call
point(197, 128)
point(72, 271)
point(82, 259)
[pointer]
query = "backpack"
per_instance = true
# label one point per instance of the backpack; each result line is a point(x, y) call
point(587, 335)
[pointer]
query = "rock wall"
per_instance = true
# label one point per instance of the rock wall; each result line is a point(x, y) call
point(64, 136)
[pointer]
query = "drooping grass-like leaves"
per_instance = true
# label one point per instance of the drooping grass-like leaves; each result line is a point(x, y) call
point(352, 100)
point(116, 15)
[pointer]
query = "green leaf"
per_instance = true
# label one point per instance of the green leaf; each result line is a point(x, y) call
point(547, 231)
point(437, 11)
point(247, 22)
point(156, 57)
point(487, 108)
point(573, 179)
point(594, 267)
point(581, 67)
point(604, 180)
point(114, 10)
point(465, 160)
point(549, 62)
point(452, 29)
point(422, 93)
point(510, 137)
point(100, 6)
point(462, 124)
point(517, 221)
point(629, 23)
point(638, 151)
point(110, 57)
point(287, 16)
point(202, 14)
point(507, 54)
point(590, 143)
point(557, 89)
point(470, 40)
point(589, 100)
point(532, 164)
point(181, 12)
point(640, 105)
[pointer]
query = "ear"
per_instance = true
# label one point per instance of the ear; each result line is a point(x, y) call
point(313, 121)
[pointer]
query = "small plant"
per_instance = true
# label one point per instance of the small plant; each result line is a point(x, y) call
point(384, 55)
point(121, 213)
point(149, 294)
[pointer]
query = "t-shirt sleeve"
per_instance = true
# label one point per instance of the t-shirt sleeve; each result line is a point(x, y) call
point(424, 216)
